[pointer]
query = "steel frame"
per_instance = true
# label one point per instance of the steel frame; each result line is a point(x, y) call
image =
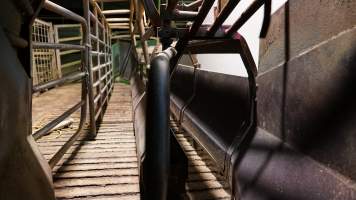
point(213, 39)
point(101, 71)
point(98, 77)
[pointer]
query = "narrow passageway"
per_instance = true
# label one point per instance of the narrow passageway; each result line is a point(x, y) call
point(107, 167)
point(104, 168)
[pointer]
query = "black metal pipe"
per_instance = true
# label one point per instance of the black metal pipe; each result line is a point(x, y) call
point(266, 18)
point(48, 5)
point(43, 131)
point(245, 16)
point(222, 16)
point(182, 43)
point(157, 160)
point(71, 77)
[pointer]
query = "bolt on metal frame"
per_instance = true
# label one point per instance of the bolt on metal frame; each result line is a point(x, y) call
point(98, 77)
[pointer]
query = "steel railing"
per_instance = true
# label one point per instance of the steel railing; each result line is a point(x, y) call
point(98, 77)
point(102, 70)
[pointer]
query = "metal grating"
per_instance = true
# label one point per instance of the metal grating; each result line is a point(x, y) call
point(44, 66)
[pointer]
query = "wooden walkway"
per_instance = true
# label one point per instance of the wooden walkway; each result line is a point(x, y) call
point(107, 168)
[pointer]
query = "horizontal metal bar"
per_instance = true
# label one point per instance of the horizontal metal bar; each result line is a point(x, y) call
point(104, 88)
point(71, 63)
point(101, 41)
point(119, 27)
point(43, 131)
point(63, 12)
point(67, 26)
point(98, 53)
point(41, 53)
point(62, 53)
point(66, 39)
point(190, 7)
point(106, 74)
point(93, 37)
point(119, 24)
point(117, 19)
point(42, 45)
point(183, 15)
point(96, 99)
point(96, 83)
point(71, 77)
point(116, 12)
point(102, 103)
point(98, 111)
point(98, 40)
point(100, 66)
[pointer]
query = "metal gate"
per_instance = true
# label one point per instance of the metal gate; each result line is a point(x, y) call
point(100, 60)
point(95, 72)
point(44, 65)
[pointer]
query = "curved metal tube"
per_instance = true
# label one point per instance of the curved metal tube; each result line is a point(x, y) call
point(152, 12)
point(156, 163)
point(266, 18)
point(190, 7)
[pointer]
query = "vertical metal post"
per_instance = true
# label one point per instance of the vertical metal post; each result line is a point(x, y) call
point(139, 18)
point(105, 60)
point(98, 77)
point(87, 63)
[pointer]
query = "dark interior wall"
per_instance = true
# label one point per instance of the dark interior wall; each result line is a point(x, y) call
point(124, 59)
point(77, 7)
point(24, 172)
point(308, 101)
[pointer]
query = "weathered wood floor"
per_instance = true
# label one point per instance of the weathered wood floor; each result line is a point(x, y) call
point(107, 168)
